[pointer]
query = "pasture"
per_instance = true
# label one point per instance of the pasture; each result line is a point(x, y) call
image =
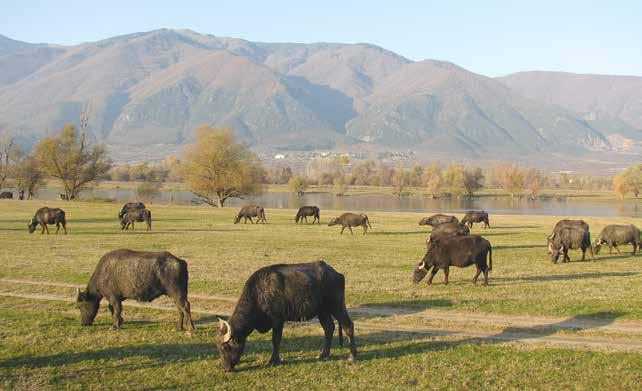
point(538, 325)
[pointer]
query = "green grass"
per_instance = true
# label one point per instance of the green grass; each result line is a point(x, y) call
point(42, 344)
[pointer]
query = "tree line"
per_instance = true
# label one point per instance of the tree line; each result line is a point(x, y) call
point(217, 167)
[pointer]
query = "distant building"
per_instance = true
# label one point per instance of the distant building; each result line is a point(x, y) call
point(279, 156)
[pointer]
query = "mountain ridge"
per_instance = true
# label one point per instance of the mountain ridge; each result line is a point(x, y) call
point(156, 87)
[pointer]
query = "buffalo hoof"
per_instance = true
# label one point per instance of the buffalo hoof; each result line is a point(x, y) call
point(272, 362)
point(323, 356)
point(115, 327)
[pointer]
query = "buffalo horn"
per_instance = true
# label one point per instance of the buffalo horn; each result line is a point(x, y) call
point(228, 333)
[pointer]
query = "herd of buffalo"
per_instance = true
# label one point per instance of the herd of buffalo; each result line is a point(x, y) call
point(297, 292)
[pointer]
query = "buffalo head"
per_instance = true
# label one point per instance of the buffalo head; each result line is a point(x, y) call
point(420, 272)
point(88, 305)
point(229, 348)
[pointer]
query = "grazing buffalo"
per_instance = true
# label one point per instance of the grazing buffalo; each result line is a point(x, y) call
point(351, 220)
point(460, 251)
point(448, 229)
point(249, 211)
point(6, 195)
point(578, 236)
point(567, 239)
point(46, 216)
point(306, 211)
point(139, 275)
point(128, 206)
point(138, 215)
point(476, 217)
point(437, 219)
point(279, 293)
point(614, 235)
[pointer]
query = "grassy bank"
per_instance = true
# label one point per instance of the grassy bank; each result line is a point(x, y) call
point(43, 344)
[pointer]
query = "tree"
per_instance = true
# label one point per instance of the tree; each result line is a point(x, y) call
point(29, 178)
point(147, 190)
point(70, 158)
point(400, 180)
point(10, 153)
point(454, 179)
point(629, 181)
point(216, 168)
point(510, 177)
point(533, 181)
point(473, 180)
point(432, 179)
point(298, 184)
point(339, 183)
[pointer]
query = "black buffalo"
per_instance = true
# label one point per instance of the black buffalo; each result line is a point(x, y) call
point(138, 275)
point(448, 229)
point(136, 215)
point(128, 206)
point(249, 211)
point(569, 234)
point(614, 235)
point(7, 195)
point(46, 216)
point(306, 211)
point(476, 217)
point(460, 251)
point(437, 219)
point(351, 220)
point(279, 293)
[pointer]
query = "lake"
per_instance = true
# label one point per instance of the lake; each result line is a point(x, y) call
point(553, 206)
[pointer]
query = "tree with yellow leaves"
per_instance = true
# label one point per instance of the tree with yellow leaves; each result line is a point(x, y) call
point(217, 168)
point(71, 159)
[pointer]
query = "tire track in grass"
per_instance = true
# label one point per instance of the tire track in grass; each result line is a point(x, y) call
point(467, 336)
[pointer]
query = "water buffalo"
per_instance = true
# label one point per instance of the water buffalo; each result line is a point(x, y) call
point(437, 219)
point(6, 195)
point(46, 216)
point(476, 217)
point(581, 239)
point(306, 211)
point(614, 235)
point(351, 220)
point(139, 275)
point(279, 293)
point(460, 251)
point(567, 239)
point(249, 211)
point(448, 229)
point(138, 215)
point(128, 206)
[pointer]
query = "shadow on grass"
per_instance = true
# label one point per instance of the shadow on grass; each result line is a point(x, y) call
point(393, 232)
point(519, 246)
point(566, 277)
point(162, 354)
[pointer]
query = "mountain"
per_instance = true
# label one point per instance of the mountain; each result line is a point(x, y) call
point(612, 104)
point(151, 90)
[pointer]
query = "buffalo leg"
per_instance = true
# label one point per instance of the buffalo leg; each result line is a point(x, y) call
point(64, 227)
point(616, 248)
point(111, 309)
point(350, 228)
point(365, 229)
point(277, 332)
point(446, 271)
point(485, 269)
point(184, 310)
point(57, 227)
point(44, 229)
point(341, 315)
point(566, 257)
point(479, 270)
point(118, 309)
point(342, 228)
point(328, 329)
point(434, 271)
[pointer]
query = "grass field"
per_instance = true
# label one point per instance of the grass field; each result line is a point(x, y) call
point(42, 344)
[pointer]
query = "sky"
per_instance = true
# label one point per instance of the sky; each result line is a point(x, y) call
point(489, 37)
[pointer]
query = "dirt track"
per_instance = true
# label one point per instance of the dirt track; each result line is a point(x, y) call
point(461, 326)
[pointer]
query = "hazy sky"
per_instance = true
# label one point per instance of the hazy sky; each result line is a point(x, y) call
point(488, 37)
